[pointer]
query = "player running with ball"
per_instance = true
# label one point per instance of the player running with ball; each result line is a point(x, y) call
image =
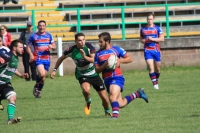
point(83, 55)
point(113, 79)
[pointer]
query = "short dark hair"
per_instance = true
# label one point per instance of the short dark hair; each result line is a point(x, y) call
point(42, 21)
point(14, 43)
point(151, 14)
point(106, 36)
point(79, 34)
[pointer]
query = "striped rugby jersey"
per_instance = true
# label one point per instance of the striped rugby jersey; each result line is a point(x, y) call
point(83, 67)
point(40, 42)
point(8, 65)
point(102, 55)
point(153, 32)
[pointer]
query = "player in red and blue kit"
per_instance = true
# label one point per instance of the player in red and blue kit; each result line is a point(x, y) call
point(114, 79)
point(150, 36)
point(42, 42)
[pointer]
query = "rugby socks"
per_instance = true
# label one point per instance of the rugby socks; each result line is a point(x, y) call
point(115, 109)
point(131, 97)
point(40, 87)
point(38, 79)
point(153, 78)
point(157, 76)
point(107, 111)
point(89, 101)
point(11, 110)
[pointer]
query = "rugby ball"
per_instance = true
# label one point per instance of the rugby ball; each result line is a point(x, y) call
point(112, 60)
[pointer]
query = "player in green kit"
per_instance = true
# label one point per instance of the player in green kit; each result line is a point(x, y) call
point(8, 67)
point(83, 56)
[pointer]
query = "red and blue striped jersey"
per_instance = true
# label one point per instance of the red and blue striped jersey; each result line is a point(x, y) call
point(153, 32)
point(40, 43)
point(102, 55)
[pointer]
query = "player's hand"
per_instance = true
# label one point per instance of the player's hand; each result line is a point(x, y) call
point(31, 58)
point(25, 76)
point(151, 39)
point(117, 63)
point(105, 64)
point(53, 74)
point(82, 53)
point(52, 47)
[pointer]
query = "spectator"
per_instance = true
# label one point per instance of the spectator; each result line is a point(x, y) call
point(6, 36)
point(25, 35)
point(13, 1)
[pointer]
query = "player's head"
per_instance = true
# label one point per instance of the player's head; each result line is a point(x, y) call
point(29, 26)
point(3, 29)
point(104, 40)
point(41, 26)
point(150, 19)
point(80, 40)
point(17, 47)
point(1, 40)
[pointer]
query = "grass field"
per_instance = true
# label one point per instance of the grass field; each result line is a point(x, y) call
point(174, 108)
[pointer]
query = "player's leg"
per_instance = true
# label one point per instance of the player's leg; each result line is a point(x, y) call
point(98, 85)
point(129, 98)
point(42, 72)
point(86, 93)
point(85, 86)
point(157, 64)
point(148, 54)
point(1, 98)
point(9, 93)
point(114, 93)
point(105, 102)
point(1, 106)
point(15, 1)
point(5, 1)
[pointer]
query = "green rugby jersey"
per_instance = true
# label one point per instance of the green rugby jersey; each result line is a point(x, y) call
point(83, 67)
point(8, 67)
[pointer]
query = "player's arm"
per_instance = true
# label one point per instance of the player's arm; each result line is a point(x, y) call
point(126, 59)
point(142, 40)
point(88, 58)
point(160, 36)
point(99, 68)
point(58, 62)
point(159, 39)
point(28, 49)
point(5, 57)
point(52, 46)
point(25, 75)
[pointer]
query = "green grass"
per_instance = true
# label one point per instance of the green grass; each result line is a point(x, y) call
point(175, 108)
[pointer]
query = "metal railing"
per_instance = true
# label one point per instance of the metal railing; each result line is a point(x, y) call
point(123, 19)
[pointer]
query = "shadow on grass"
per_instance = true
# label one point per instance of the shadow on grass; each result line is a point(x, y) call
point(195, 115)
point(67, 118)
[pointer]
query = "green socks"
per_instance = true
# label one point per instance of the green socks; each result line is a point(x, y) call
point(11, 110)
point(89, 100)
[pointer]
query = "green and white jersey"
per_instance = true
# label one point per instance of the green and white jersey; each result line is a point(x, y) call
point(8, 65)
point(83, 67)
